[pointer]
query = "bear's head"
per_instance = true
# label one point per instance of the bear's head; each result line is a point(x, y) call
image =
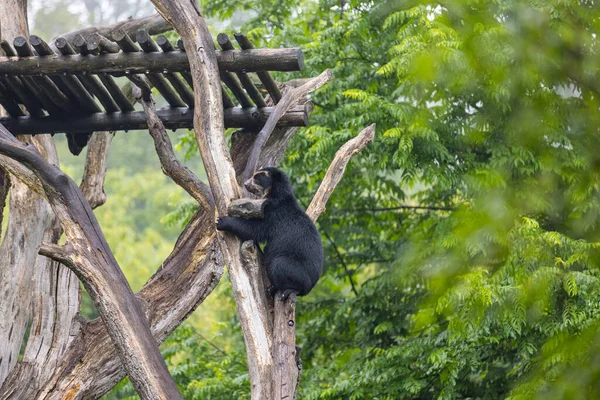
point(270, 183)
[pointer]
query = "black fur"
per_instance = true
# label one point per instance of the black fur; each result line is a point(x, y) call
point(293, 254)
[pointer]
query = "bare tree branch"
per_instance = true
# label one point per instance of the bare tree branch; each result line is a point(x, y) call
point(61, 253)
point(170, 165)
point(4, 187)
point(336, 170)
point(96, 266)
point(252, 305)
point(288, 100)
point(92, 183)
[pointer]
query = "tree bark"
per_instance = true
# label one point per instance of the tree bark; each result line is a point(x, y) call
point(252, 305)
point(26, 279)
point(90, 257)
point(92, 183)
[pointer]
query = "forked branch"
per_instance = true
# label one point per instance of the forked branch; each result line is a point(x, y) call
point(288, 100)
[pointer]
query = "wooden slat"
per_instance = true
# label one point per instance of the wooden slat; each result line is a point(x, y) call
point(252, 91)
point(173, 118)
point(264, 76)
point(176, 61)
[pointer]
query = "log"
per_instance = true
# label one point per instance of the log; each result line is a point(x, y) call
point(26, 97)
point(247, 208)
point(8, 102)
point(115, 91)
point(90, 82)
point(252, 305)
point(98, 44)
point(286, 371)
point(227, 102)
point(176, 61)
point(87, 253)
point(154, 24)
point(124, 41)
point(232, 83)
point(290, 99)
point(264, 76)
point(252, 91)
point(172, 118)
point(78, 93)
point(182, 91)
point(336, 169)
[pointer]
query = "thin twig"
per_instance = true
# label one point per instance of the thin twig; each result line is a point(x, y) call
point(342, 262)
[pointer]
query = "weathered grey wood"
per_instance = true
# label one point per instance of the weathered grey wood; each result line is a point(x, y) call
point(182, 91)
point(98, 44)
point(91, 366)
point(92, 183)
point(98, 89)
point(124, 41)
point(7, 100)
point(247, 208)
point(176, 61)
point(4, 187)
point(88, 254)
point(154, 24)
point(164, 43)
point(252, 91)
point(53, 99)
point(173, 118)
point(286, 371)
point(30, 217)
point(91, 82)
point(40, 46)
point(22, 47)
point(242, 142)
point(116, 93)
point(252, 305)
point(336, 169)
point(290, 99)
point(7, 48)
point(158, 80)
point(264, 76)
point(234, 85)
point(77, 93)
point(80, 44)
point(26, 97)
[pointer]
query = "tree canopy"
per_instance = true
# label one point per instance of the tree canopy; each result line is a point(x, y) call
point(462, 246)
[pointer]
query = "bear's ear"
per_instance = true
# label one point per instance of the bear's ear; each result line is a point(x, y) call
point(275, 174)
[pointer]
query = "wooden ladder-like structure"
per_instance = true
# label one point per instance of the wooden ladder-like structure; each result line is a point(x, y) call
point(71, 87)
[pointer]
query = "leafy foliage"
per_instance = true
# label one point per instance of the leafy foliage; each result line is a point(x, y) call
point(462, 244)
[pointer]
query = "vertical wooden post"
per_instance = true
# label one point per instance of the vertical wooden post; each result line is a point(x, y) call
point(286, 372)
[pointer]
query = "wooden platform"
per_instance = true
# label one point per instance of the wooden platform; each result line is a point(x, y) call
point(69, 86)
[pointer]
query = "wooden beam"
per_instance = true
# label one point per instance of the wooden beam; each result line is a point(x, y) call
point(175, 61)
point(172, 118)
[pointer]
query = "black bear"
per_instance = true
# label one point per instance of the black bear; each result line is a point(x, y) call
point(293, 254)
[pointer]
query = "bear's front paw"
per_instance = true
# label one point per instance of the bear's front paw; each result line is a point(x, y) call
point(223, 223)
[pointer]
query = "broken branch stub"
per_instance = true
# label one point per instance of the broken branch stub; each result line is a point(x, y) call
point(287, 101)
